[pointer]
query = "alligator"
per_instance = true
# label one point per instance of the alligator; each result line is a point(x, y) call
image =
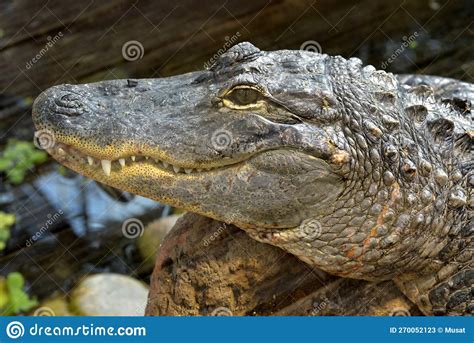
point(359, 172)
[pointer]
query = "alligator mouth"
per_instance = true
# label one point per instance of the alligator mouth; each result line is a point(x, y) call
point(72, 156)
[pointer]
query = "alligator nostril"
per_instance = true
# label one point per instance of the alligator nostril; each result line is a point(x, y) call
point(69, 97)
point(69, 104)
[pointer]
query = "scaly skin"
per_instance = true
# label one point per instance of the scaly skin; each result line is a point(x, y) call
point(353, 170)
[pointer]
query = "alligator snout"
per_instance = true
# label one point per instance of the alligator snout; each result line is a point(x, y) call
point(69, 104)
point(58, 103)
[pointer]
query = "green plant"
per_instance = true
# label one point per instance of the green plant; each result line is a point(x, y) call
point(18, 157)
point(6, 221)
point(13, 299)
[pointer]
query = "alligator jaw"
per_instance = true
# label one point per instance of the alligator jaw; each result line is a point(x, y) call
point(198, 189)
point(124, 164)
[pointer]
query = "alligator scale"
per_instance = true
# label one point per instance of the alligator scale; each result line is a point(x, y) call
point(359, 172)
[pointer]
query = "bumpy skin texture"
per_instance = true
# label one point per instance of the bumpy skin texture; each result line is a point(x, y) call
point(356, 171)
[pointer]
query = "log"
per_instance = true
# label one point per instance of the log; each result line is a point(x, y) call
point(205, 267)
point(86, 38)
point(353, 298)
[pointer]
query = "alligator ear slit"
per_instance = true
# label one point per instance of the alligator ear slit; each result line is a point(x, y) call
point(281, 104)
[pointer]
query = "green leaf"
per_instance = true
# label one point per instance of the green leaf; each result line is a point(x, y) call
point(4, 235)
point(3, 294)
point(18, 158)
point(18, 300)
point(15, 280)
point(6, 220)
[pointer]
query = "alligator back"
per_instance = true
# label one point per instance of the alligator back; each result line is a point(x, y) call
point(442, 107)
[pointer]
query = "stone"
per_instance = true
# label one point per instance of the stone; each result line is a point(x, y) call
point(109, 294)
point(152, 237)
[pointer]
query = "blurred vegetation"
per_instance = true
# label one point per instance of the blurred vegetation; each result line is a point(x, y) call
point(18, 158)
point(6, 221)
point(13, 299)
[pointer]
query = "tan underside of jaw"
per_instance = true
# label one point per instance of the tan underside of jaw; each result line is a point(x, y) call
point(125, 178)
point(67, 153)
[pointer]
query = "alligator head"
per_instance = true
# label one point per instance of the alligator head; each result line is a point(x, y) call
point(305, 151)
point(248, 142)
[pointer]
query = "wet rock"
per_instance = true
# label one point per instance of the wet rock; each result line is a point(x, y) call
point(152, 237)
point(109, 295)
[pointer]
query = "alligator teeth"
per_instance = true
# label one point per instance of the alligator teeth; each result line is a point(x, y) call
point(106, 166)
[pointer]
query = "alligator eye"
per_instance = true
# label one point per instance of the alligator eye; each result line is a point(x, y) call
point(241, 97)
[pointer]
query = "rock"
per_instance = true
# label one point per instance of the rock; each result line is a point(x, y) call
point(152, 237)
point(206, 267)
point(109, 295)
